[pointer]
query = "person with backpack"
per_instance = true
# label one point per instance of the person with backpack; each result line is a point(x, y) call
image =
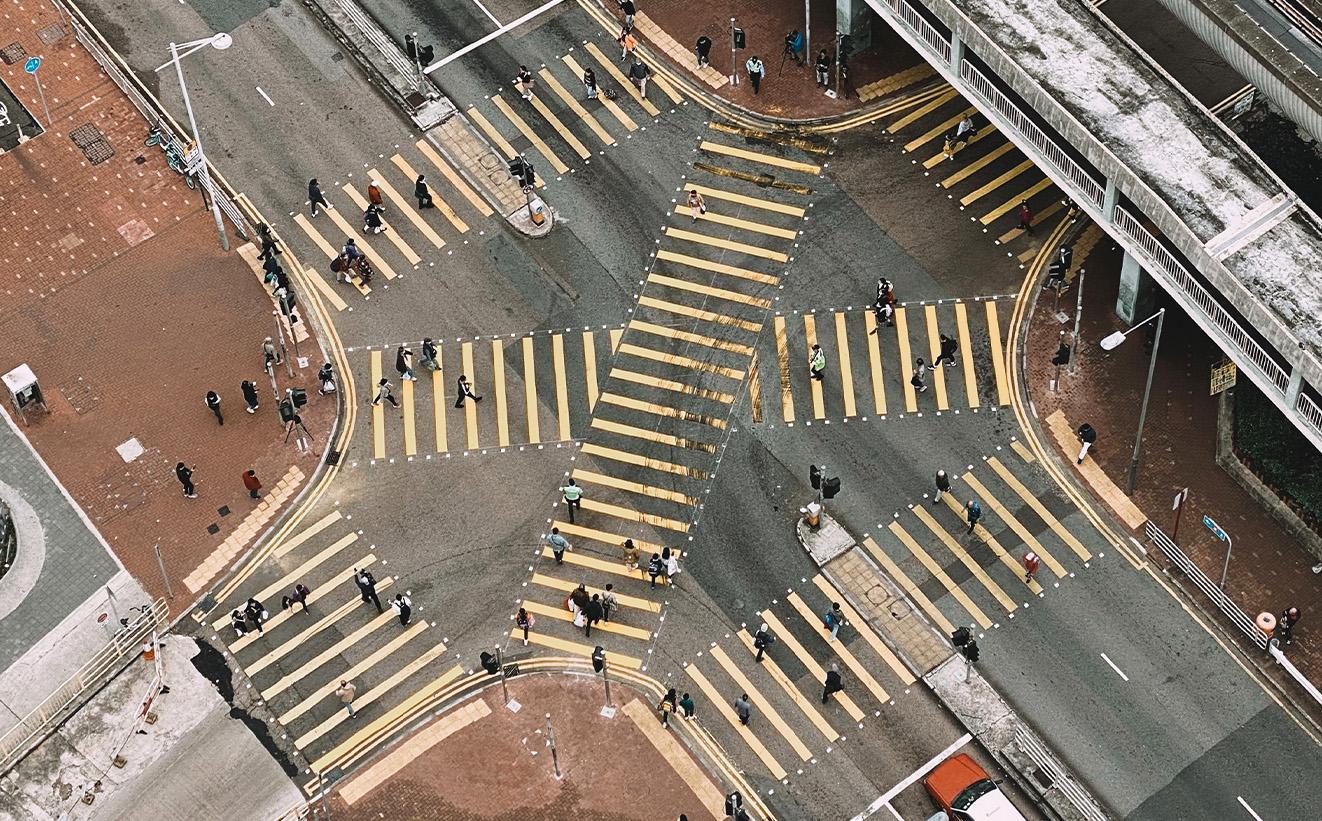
point(326, 377)
point(524, 621)
point(1088, 437)
point(942, 486)
point(833, 684)
point(817, 363)
point(974, 513)
point(762, 639)
point(655, 568)
point(833, 618)
point(590, 83)
point(669, 704)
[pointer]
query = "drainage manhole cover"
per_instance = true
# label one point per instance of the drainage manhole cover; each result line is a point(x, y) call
point(13, 53)
point(51, 34)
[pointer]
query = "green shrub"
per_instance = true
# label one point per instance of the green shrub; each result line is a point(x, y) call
point(1278, 453)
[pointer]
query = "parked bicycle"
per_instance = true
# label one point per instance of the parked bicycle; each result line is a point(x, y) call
point(174, 157)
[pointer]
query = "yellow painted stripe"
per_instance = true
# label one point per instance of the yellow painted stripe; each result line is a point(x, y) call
point(601, 566)
point(783, 359)
point(454, 179)
point(921, 112)
point(914, 591)
point(726, 245)
point(491, 132)
point(722, 704)
point(581, 475)
point(613, 658)
point(846, 367)
point(278, 618)
point(966, 353)
point(609, 105)
point(530, 391)
point(310, 701)
point(810, 339)
point(758, 157)
point(1023, 451)
point(561, 614)
point(630, 515)
point(743, 199)
point(874, 363)
point(717, 267)
point(378, 411)
point(940, 130)
point(671, 385)
point(662, 83)
point(805, 705)
point(1040, 509)
point(328, 293)
point(661, 410)
point(985, 189)
point(438, 407)
point(934, 350)
point(364, 245)
point(697, 339)
point(937, 158)
point(565, 134)
point(997, 355)
point(1015, 567)
point(284, 547)
point(616, 335)
point(698, 313)
point(838, 647)
point(677, 757)
point(408, 208)
point(977, 165)
point(312, 628)
point(313, 234)
point(940, 575)
point(1013, 202)
point(651, 435)
point(960, 553)
point(574, 106)
point(683, 210)
point(680, 361)
point(315, 664)
point(865, 630)
point(530, 135)
point(1025, 535)
point(622, 599)
point(785, 637)
point(590, 369)
point(906, 360)
point(470, 407)
point(708, 290)
point(498, 385)
point(561, 384)
point(410, 424)
point(388, 232)
point(765, 708)
point(628, 86)
point(642, 461)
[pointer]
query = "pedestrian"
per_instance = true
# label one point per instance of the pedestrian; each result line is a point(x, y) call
point(299, 596)
point(755, 72)
point(817, 363)
point(524, 621)
point(212, 401)
point(668, 704)
point(315, 197)
point(593, 613)
point(422, 193)
point(697, 206)
point(686, 704)
point(347, 692)
point(559, 544)
point(326, 379)
point(833, 618)
point(384, 393)
point(590, 83)
point(367, 588)
point(670, 558)
point(185, 476)
point(608, 602)
point(270, 246)
point(431, 359)
point(573, 496)
point(252, 483)
point(629, 10)
point(884, 314)
point(703, 49)
point(639, 74)
point(1025, 217)
point(885, 290)
point(249, 391)
point(465, 391)
point(577, 603)
point(627, 44)
point(832, 683)
point(256, 611)
point(762, 639)
point(823, 69)
point(964, 131)
point(404, 363)
point(974, 512)
point(942, 486)
point(743, 709)
point(1030, 567)
point(1088, 437)
point(239, 622)
point(372, 220)
point(1285, 627)
point(630, 555)
point(374, 195)
point(919, 374)
point(654, 568)
point(524, 82)
point(948, 146)
point(948, 349)
point(270, 353)
point(403, 607)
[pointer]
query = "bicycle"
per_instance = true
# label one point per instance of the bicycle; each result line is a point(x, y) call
point(174, 157)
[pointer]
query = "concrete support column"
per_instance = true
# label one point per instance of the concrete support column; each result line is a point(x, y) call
point(1134, 297)
point(1296, 383)
point(1109, 200)
point(854, 18)
point(956, 51)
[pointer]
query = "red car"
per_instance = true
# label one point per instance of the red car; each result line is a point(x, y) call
point(967, 793)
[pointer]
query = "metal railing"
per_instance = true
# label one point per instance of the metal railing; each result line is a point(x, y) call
point(372, 32)
point(19, 740)
point(923, 29)
point(1309, 410)
point(1223, 602)
point(1060, 780)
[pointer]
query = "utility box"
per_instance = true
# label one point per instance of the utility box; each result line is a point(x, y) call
point(24, 391)
point(537, 210)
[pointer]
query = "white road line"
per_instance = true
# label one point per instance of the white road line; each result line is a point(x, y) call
point(884, 801)
point(1117, 670)
point(493, 35)
point(895, 813)
point(489, 15)
point(1247, 808)
point(264, 97)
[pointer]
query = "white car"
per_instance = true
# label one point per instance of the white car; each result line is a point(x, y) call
point(966, 793)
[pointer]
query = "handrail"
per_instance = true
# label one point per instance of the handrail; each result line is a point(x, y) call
point(1060, 779)
point(1218, 596)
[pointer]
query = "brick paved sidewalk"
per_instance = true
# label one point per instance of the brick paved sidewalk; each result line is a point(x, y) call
point(1268, 570)
point(114, 289)
point(481, 761)
point(791, 92)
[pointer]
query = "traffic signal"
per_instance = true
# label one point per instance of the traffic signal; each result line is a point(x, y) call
point(733, 802)
point(960, 637)
point(522, 171)
point(1057, 269)
point(970, 650)
point(298, 396)
point(286, 411)
point(740, 41)
point(599, 659)
point(830, 487)
point(815, 477)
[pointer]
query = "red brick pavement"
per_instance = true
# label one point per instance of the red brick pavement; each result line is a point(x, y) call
point(790, 93)
point(114, 289)
point(499, 769)
point(1268, 570)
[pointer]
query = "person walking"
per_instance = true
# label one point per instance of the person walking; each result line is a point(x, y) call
point(833, 684)
point(256, 611)
point(315, 197)
point(1285, 626)
point(833, 618)
point(249, 391)
point(942, 486)
point(884, 314)
point(755, 72)
point(239, 622)
point(573, 496)
point(384, 393)
point(347, 692)
point(465, 389)
point(252, 483)
point(422, 193)
point(639, 74)
point(524, 82)
point(270, 353)
point(1088, 437)
point(325, 379)
point(185, 476)
point(559, 544)
point(1031, 563)
point(374, 195)
point(627, 44)
point(655, 568)
point(590, 83)
point(367, 588)
point(593, 613)
point(743, 708)
point(630, 555)
point(686, 704)
point(668, 704)
point(964, 132)
point(524, 621)
point(974, 512)
point(578, 602)
point(697, 205)
point(948, 147)
point(817, 363)
point(372, 221)
point(762, 639)
point(629, 10)
point(299, 595)
point(823, 69)
point(404, 363)
point(608, 602)
point(703, 50)
point(270, 245)
point(948, 349)
point(670, 559)
point(431, 358)
point(918, 380)
point(403, 607)
point(212, 401)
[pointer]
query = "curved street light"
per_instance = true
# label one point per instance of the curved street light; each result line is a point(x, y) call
point(1110, 343)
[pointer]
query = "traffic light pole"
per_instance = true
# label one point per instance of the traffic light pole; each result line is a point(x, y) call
point(605, 678)
point(734, 57)
point(1078, 315)
point(284, 351)
point(504, 688)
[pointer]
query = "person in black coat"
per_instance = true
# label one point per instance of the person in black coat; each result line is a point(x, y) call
point(832, 683)
point(594, 612)
point(422, 192)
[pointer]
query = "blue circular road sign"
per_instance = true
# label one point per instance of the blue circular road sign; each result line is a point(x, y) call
point(32, 65)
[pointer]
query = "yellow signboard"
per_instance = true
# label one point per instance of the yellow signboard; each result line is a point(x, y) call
point(1223, 376)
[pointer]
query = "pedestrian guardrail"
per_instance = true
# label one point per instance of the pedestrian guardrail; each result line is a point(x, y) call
point(1309, 410)
point(918, 24)
point(107, 662)
point(1060, 779)
point(374, 35)
point(1223, 602)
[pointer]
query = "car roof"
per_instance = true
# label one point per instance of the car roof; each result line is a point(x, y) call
point(955, 773)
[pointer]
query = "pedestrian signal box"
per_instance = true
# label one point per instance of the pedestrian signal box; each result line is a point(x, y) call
point(298, 396)
point(830, 487)
point(740, 40)
point(815, 477)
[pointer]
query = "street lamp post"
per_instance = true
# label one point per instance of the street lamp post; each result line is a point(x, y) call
point(220, 42)
point(1110, 343)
